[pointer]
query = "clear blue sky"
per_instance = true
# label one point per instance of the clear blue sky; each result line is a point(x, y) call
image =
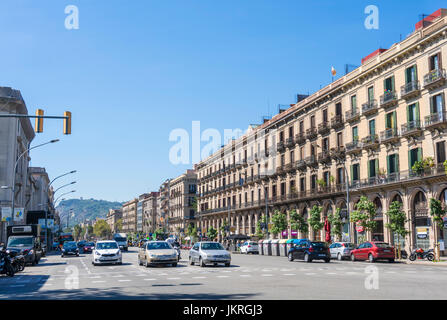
point(135, 70)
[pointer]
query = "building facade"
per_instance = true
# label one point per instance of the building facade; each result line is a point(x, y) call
point(182, 192)
point(361, 135)
point(16, 135)
point(130, 216)
point(112, 218)
point(150, 212)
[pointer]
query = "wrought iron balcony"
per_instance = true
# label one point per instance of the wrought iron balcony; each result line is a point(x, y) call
point(389, 135)
point(311, 133)
point(370, 107)
point(311, 161)
point(324, 157)
point(411, 128)
point(353, 147)
point(353, 115)
point(410, 90)
point(281, 146)
point(338, 153)
point(435, 79)
point(389, 99)
point(290, 142)
point(436, 120)
point(370, 142)
point(280, 170)
point(300, 138)
point(337, 122)
point(324, 128)
point(289, 167)
point(301, 165)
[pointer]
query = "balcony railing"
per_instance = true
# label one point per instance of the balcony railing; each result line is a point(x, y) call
point(434, 79)
point(311, 133)
point(324, 157)
point(337, 122)
point(436, 120)
point(370, 141)
point(324, 127)
point(281, 146)
point(300, 164)
point(338, 153)
point(370, 107)
point(389, 135)
point(353, 115)
point(311, 161)
point(290, 142)
point(300, 138)
point(289, 167)
point(410, 90)
point(388, 99)
point(411, 128)
point(353, 147)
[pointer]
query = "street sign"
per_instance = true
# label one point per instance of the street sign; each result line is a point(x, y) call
point(19, 214)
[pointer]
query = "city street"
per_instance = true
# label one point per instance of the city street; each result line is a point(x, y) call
point(249, 277)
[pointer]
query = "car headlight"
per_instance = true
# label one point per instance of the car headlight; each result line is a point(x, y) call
point(97, 253)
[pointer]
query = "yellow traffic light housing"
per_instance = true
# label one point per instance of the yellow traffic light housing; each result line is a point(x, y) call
point(38, 128)
point(67, 122)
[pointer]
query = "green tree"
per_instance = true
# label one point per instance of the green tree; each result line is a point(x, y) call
point(119, 225)
point(397, 219)
point(223, 227)
point(298, 223)
point(102, 229)
point(90, 231)
point(77, 232)
point(260, 233)
point(437, 212)
point(212, 233)
point(336, 222)
point(315, 219)
point(364, 214)
point(279, 221)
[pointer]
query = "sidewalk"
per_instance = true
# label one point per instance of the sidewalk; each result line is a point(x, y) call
point(442, 263)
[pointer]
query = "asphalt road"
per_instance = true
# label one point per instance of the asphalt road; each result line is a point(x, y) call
point(249, 277)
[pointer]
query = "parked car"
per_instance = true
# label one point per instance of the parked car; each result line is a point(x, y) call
point(310, 250)
point(341, 250)
point(27, 246)
point(70, 248)
point(157, 252)
point(105, 252)
point(88, 247)
point(142, 242)
point(81, 245)
point(209, 253)
point(372, 251)
point(250, 247)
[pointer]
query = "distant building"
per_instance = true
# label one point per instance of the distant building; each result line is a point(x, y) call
point(130, 216)
point(112, 218)
point(150, 212)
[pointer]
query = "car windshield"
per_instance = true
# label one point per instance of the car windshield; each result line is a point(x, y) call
point(158, 246)
point(318, 244)
point(106, 245)
point(349, 245)
point(20, 242)
point(382, 245)
point(120, 239)
point(212, 246)
point(68, 244)
point(90, 244)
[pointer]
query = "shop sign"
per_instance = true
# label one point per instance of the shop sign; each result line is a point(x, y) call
point(422, 233)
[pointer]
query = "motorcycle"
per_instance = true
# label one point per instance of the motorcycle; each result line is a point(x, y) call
point(17, 261)
point(421, 254)
point(5, 263)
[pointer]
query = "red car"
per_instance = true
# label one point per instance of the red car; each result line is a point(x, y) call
point(88, 247)
point(372, 251)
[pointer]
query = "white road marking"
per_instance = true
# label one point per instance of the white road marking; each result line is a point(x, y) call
point(289, 274)
point(267, 275)
point(199, 277)
point(98, 281)
point(173, 278)
point(310, 274)
point(331, 273)
point(245, 275)
point(223, 276)
point(124, 280)
point(150, 279)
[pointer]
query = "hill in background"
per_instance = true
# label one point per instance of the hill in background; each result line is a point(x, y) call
point(84, 209)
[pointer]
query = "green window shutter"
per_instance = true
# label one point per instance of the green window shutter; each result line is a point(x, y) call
point(409, 159)
point(387, 121)
point(408, 114)
point(377, 167)
point(406, 75)
point(417, 111)
point(419, 154)
point(415, 72)
point(397, 163)
point(394, 126)
point(388, 164)
point(392, 84)
point(352, 173)
point(369, 169)
point(384, 85)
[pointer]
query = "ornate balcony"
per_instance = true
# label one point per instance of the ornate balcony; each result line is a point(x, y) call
point(388, 100)
point(311, 133)
point(410, 90)
point(370, 142)
point(281, 147)
point(436, 121)
point(354, 147)
point(434, 79)
point(280, 170)
point(324, 128)
point(370, 107)
point(338, 153)
point(353, 115)
point(290, 142)
point(301, 165)
point(324, 157)
point(300, 138)
point(337, 122)
point(389, 135)
point(412, 128)
point(289, 167)
point(311, 161)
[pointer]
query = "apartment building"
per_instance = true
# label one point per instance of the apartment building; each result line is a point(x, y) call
point(150, 212)
point(112, 218)
point(130, 216)
point(362, 133)
point(182, 192)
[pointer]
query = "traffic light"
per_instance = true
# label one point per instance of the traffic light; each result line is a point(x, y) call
point(38, 128)
point(67, 122)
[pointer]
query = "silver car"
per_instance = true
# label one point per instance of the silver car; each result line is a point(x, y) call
point(341, 250)
point(209, 252)
point(157, 252)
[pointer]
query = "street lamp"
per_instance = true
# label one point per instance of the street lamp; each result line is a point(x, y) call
point(15, 169)
point(64, 195)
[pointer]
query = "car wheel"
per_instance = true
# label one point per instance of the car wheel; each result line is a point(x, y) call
point(339, 257)
point(174, 264)
point(146, 264)
point(191, 263)
point(201, 263)
point(391, 260)
point(227, 264)
point(327, 260)
point(290, 257)
point(371, 258)
point(139, 262)
point(352, 257)
point(307, 258)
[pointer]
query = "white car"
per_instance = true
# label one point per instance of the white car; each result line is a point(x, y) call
point(106, 252)
point(250, 247)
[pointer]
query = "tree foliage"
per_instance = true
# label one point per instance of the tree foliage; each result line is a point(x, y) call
point(260, 233)
point(298, 223)
point(212, 233)
point(364, 214)
point(437, 212)
point(397, 219)
point(102, 229)
point(336, 222)
point(315, 218)
point(279, 221)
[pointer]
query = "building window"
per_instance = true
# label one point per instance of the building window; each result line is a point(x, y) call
point(388, 84)
point(313, 182)
point(355, 133)
point(370, 94)
point(355, 172)
point(302, 184)
point(372, 127)
point(340, 176)
point(434, 62)
point(440, 152)
point(353, 103)
point(413, 113)
point(437, 106)
point(393, 164)
point(340, 139)
point(292, 156)
point(410, 74)
point(413, 156)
